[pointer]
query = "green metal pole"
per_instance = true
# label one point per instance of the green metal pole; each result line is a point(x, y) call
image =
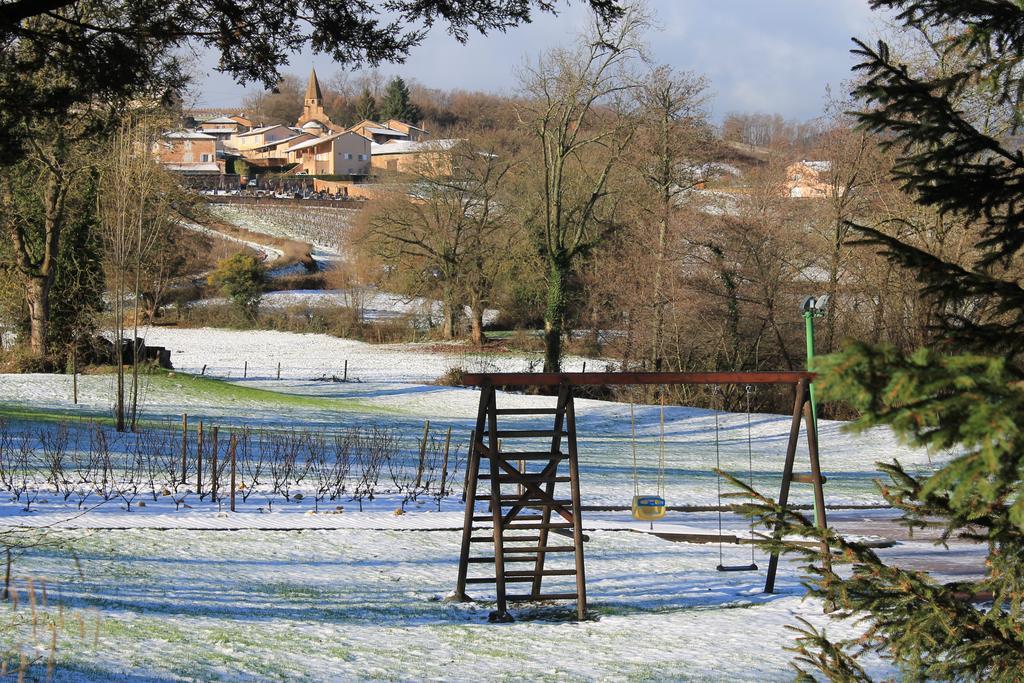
point(809, 334)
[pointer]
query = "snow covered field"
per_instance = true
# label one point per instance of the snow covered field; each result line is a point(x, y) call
point(200, 594)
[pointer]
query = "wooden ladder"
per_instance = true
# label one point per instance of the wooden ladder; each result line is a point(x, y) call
point(523, 482)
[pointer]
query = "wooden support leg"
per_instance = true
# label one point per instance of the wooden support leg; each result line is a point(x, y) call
point(819, 492)
point(787, 477)
point(472, 472)
point(501, 614)
point(549, 491)
point(577, 527)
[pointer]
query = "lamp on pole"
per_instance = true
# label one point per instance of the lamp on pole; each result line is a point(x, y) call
point(812, 307)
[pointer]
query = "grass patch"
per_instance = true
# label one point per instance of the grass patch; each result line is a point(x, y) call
point(215, 391)
point(225, 393)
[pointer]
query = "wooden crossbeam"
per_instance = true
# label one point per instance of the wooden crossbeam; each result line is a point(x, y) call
point(554, 379)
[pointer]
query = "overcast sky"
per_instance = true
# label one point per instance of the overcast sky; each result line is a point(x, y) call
point(760, 55)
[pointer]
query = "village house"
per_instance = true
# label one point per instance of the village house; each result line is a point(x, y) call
point(276, 149)
point(378, 132)
point(343, 153)
point(188, 152)
point(406, 156)
point(260, 137)
point(412, 132)
point(808, 180)
point(222, 127)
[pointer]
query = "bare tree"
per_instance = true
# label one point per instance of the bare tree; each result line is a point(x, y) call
point(134, 211)
point(672, 153)
point(578, 108)
point(444, 231)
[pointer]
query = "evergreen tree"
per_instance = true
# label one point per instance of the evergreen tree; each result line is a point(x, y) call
point(396, 103)
point(966, 395)
point(366, 106)
point(77, 295)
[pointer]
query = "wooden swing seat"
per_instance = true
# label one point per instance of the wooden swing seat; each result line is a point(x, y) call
point(647, 508)
point(737, 567)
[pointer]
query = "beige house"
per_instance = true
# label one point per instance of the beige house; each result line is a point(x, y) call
point(276, 149)
point(428, 156)
point(808, 179)
point(343, 153)
point(377, 132)
point(412, 132)
point(259, 137)
point(187, 152)
point(222, 127)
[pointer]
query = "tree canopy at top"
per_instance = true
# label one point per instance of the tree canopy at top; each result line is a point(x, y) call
point(62, 54)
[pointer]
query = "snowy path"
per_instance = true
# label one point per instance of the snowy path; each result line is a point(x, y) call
point(270, 254)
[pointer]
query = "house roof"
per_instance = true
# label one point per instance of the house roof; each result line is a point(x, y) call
point(411, 147)
point(198, 167)
point(386, 131)
point(276, 143)
point(188, 135)
point(262, 129)
point(407, 125)
point(219, 119)
point(327, 138)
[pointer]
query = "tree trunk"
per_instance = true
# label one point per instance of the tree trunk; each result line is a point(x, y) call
point(477, 324)
point(38, 298)
point(554, 314)
point(658, 336)
point(448, 326)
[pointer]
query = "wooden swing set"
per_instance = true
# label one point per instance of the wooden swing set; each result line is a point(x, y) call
point(526, 506)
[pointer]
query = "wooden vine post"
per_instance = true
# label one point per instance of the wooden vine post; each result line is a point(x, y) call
point(213, 468)
point(231, 453)
point(199, 461)
point(184, 448)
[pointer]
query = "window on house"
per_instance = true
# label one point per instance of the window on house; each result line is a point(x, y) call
point(362, 157)
point(348, 155)
point(204, 157)
point(322, 156)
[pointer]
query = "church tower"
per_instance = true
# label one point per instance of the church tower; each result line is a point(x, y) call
point(314, 98)
point(313, 106)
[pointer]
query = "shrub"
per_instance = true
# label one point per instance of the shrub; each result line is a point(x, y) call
point(240, 277)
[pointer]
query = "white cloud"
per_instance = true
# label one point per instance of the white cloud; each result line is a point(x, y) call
point(775, 56)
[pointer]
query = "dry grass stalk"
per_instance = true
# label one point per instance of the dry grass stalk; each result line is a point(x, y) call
point(30, 587)
point(52, 659)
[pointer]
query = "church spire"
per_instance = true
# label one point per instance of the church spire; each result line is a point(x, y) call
point(313, 93)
